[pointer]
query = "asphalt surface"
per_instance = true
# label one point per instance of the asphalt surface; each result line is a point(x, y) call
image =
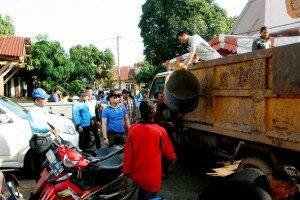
point(189, 177)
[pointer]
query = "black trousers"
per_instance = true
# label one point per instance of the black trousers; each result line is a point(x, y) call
point(84, 138)
point(94, 130)
point(38, 160)
point(165, 162)
point(145, 195)
point(116, 138)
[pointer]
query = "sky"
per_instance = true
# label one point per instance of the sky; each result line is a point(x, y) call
point(85, 22)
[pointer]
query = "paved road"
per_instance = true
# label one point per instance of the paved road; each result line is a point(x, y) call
point(188, 179)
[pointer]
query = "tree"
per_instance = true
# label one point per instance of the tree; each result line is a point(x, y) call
point(108, 61)
point(148, 72)
point(6, 26)
point(162, 19)
point(49, 65)
point(86, 59)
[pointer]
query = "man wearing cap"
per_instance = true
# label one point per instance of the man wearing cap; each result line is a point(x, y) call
point(38, 117)
point(82, 119)
point(113, 117)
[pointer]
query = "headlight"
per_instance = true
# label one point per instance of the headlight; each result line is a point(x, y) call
point(66, 129)
point(69, 163)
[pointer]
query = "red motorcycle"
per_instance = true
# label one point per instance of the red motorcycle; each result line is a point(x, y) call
point(73, 174)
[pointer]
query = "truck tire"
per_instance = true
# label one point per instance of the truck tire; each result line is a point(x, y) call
point(254, 162)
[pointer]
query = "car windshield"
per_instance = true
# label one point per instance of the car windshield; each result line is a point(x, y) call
point(13, 107)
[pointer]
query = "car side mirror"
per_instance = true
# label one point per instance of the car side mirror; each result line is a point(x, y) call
point(4, 118)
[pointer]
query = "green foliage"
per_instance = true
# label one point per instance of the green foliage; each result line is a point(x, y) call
point(162, 19)
point(50, 66)
point(6, 26)
point(148, 72)
point(49, 63)
point(75, 86)
point(87, 59)
point(108, 61)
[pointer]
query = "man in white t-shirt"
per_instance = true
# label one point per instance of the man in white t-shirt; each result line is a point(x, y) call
point(198, 47)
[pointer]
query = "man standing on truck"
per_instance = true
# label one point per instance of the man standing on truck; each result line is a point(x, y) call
point(262, 42)
point(198, 47)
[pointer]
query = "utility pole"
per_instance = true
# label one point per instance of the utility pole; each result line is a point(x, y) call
point(119, 61)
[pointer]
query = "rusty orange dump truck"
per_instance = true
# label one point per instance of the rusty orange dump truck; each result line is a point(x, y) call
point(247, 105)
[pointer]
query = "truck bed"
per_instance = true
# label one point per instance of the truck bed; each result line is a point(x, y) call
point(253, 97)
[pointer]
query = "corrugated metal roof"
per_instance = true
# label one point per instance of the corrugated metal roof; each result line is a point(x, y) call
point(12, 46)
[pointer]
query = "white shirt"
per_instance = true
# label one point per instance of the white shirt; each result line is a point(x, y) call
point(92, 106)
point(203, 49)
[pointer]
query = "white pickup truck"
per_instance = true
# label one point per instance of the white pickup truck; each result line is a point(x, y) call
point(15, 133)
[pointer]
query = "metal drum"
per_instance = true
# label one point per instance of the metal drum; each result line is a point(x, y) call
point(182, 92)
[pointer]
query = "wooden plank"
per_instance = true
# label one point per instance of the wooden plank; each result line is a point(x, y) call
point(11, 75)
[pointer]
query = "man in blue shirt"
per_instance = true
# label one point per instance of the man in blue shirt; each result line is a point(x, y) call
point(113, 117)
point(38, 117)
point(82, 119)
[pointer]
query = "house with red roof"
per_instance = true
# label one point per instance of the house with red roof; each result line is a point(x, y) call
point(14, 52)
point(126, 74)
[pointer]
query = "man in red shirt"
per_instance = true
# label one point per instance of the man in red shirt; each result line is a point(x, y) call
point(143, 150)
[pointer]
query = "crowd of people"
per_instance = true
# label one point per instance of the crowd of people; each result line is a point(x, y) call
point(146, 128)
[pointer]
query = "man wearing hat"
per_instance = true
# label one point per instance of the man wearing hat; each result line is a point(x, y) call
point(82, 119)
point(38, 117)
point(113, 117)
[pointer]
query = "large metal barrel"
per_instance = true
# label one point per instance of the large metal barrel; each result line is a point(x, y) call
point(182, 92)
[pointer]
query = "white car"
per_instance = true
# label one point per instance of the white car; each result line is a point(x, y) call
point(15, 133)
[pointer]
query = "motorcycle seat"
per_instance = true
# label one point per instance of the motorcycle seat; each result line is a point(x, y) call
point(106, 152)
point(103, 172)
point(113, 163)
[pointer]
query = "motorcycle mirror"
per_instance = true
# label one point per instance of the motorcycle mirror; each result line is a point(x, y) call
point(51, 126)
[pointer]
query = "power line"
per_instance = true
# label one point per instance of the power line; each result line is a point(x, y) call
point(130, 40)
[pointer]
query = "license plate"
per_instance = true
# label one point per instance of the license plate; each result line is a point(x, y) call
point(55, 166)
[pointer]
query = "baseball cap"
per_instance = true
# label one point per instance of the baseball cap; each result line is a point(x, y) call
point(40, 93)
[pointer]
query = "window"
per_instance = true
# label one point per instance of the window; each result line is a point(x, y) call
point(129, 86)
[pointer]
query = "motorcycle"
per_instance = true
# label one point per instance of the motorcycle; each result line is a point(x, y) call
point(69, 173)
point(12, 185)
